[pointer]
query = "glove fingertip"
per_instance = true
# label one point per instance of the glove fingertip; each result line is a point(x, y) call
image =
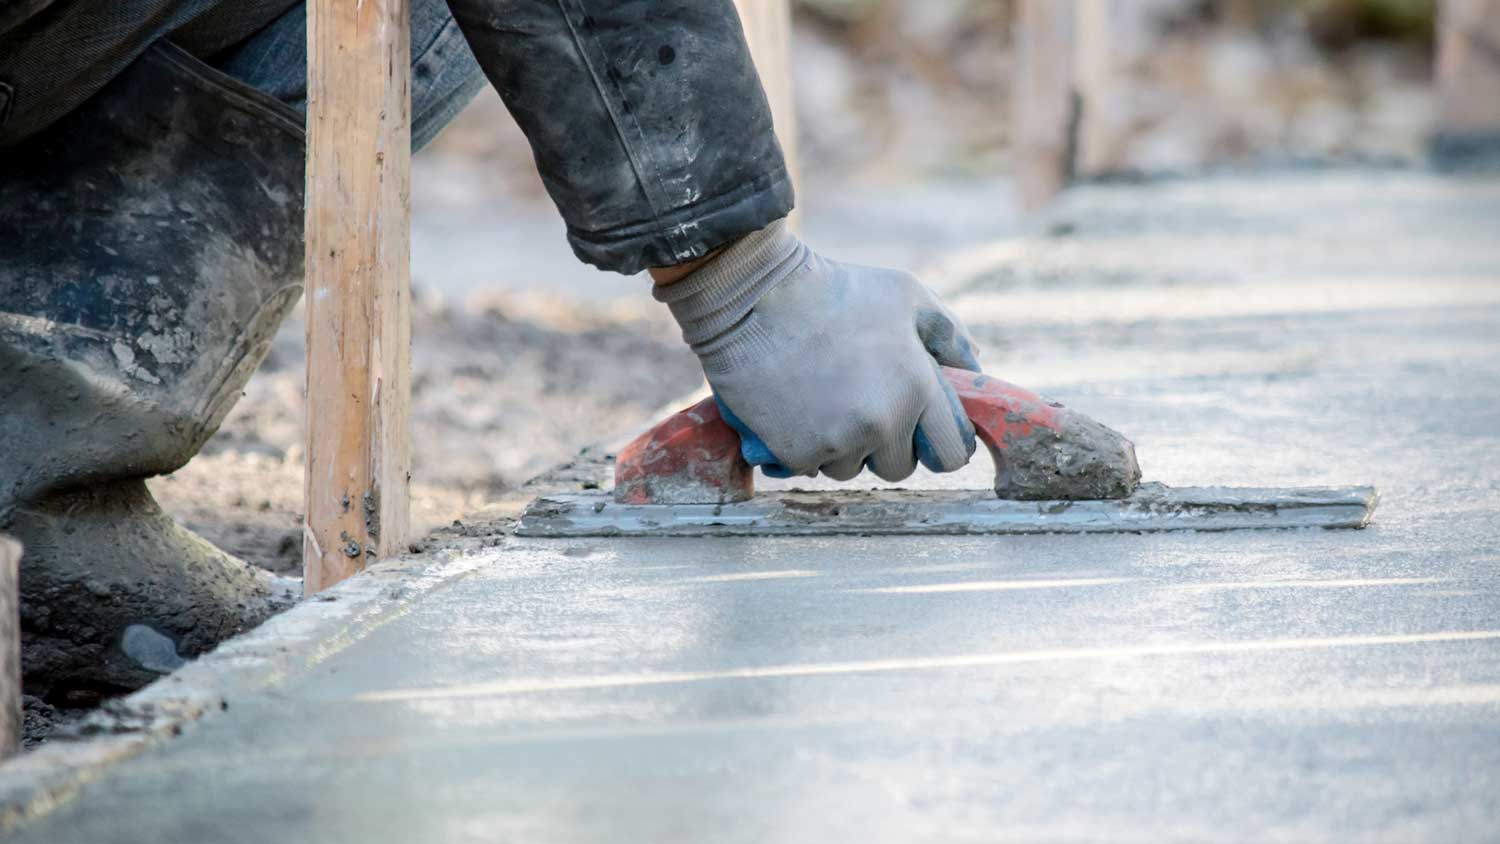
point(960, 416)
point(968, 354)
point(926, 454)
point(775, 470)
point(752, 447)
point(929, 455)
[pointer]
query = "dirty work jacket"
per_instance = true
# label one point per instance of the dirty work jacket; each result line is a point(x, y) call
point(646, 117)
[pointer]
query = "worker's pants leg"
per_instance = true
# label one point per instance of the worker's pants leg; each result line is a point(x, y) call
point(444, 75)
point(73, 50)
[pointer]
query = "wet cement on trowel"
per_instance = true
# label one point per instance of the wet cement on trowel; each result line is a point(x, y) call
point(1153, 508)
point(1082, 460)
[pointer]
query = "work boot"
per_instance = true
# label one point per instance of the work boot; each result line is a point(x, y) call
point(152, 246)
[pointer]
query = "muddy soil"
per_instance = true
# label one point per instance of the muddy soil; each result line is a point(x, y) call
point(502, 389)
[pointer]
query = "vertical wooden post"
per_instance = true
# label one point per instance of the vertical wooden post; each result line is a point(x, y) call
point(10, 646)
point(768, 29)
point(358, 276)
point(1468, 79)
point(1044, 100)
point(1111, 38)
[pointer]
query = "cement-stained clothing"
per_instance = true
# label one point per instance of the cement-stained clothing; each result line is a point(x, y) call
point(646, 117)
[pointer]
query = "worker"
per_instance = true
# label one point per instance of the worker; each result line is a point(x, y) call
point(151, 178)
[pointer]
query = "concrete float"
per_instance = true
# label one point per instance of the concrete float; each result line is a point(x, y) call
point(1056, 471)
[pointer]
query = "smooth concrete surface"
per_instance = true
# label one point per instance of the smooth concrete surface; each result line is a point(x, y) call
point(1307, 329)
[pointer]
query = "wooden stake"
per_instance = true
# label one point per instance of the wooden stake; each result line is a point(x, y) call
point(768, 29)
point(1110, 38)
point(1044, 100)
point(1468, 73)
point(10, 646)
point(358, 275)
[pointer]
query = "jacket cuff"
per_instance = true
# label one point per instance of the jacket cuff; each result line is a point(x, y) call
point(689, 232)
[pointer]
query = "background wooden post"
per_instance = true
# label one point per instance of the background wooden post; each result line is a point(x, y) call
point(1468, 79)
point(1044, 100)
point(358, 273)
point(1111, 37)
point(768, 29)
point(10, 646)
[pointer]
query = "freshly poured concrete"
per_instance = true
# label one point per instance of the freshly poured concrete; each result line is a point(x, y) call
point(1261, 686)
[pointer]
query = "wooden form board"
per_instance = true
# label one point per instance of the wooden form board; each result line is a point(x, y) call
point(768, 29)
point(358, 279)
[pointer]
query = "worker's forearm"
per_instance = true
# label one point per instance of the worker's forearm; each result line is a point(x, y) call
point(647, 120)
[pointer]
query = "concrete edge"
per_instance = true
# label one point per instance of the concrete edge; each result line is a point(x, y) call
point(33, 784)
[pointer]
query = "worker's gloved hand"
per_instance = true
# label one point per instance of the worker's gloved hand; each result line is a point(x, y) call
point(823, 366)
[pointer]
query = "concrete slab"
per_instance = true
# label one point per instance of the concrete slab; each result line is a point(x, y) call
point(1262, 686)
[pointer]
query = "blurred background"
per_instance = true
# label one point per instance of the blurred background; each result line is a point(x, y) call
point(893, 91)
point(906, 139)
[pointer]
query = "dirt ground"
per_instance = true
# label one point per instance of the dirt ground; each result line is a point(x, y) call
point(496, 398)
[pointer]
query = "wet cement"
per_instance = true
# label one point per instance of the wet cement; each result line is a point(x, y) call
point(1265, 686)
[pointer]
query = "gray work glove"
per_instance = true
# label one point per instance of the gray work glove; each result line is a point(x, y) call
point(823, 366)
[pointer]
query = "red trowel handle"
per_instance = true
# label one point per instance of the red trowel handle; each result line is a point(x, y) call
point(1039, 448)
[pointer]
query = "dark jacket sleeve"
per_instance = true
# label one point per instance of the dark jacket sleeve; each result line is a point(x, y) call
point(646, 117)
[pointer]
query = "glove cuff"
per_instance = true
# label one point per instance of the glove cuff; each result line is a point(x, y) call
point(718, 296)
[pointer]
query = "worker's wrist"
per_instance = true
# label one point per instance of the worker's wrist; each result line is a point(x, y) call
point(678, 272)
point(718, 295)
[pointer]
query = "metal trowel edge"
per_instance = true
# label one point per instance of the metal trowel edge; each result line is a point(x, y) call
point(1152, 507)
point(1056, 471)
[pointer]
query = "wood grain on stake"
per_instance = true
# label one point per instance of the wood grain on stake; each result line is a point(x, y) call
point(1468, 68)
point(1110, 39)
point(358, 266)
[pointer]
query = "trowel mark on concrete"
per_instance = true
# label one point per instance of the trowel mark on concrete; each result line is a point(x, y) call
point(1009, 585)
point(877, 666)
point(993, 586)
point(753, 575)
point(1351, 583)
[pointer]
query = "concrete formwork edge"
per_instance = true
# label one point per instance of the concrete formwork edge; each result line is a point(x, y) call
point(35, 783)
